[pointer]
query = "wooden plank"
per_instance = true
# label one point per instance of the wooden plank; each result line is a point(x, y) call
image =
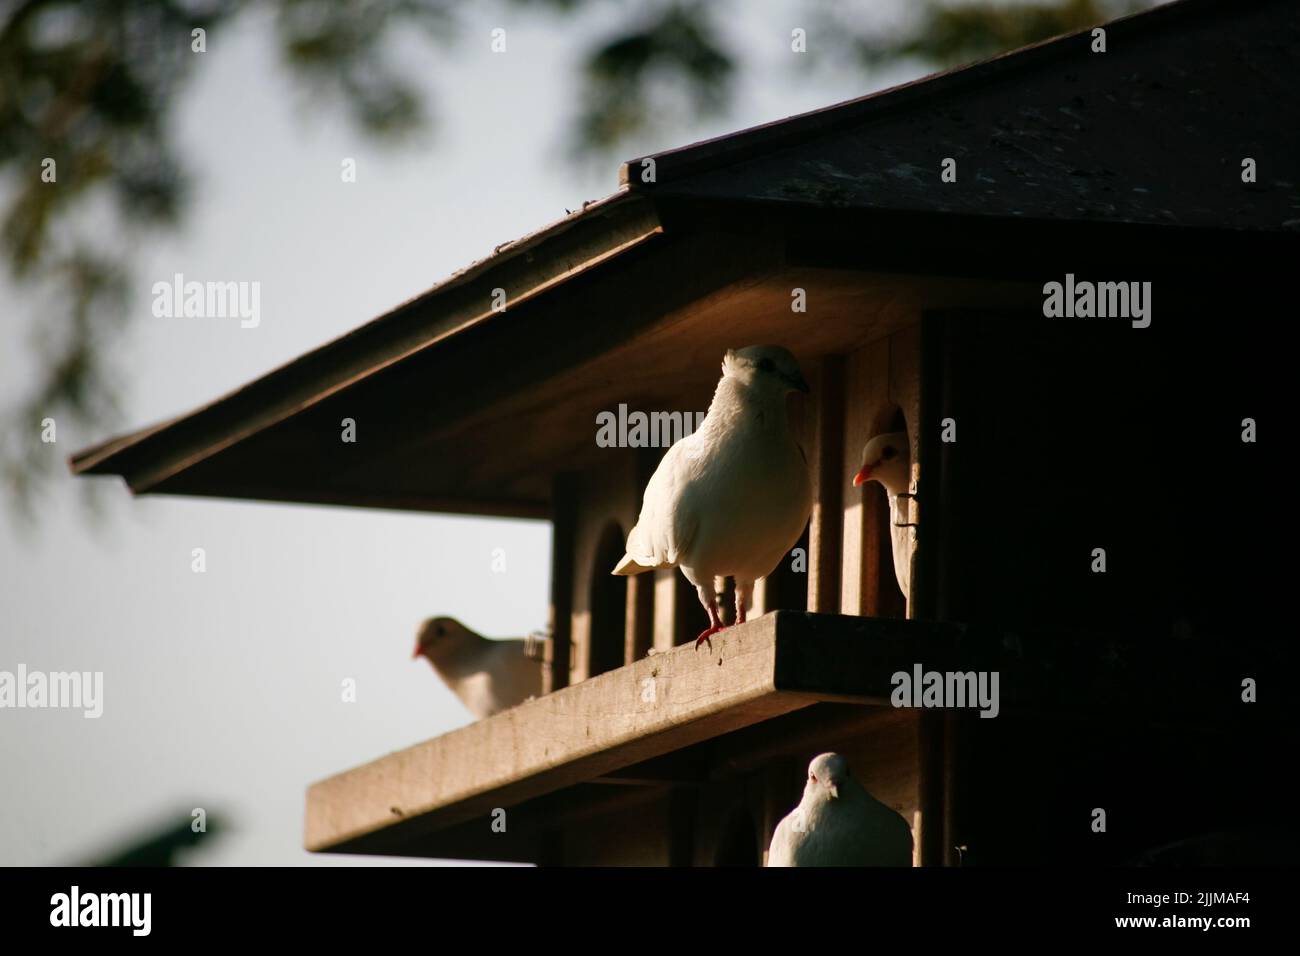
point(866, 394)
point(603, 603)
point(502, 507)
point(564, 516)
point(575, 734)
point(639, 637)
point(640, 634)
point(700, 724)
point(525, 269)
point(931, 485)
point(666, 608)
point(827, 459)
point(660, 353)
point(930, 849)
point(770, 666)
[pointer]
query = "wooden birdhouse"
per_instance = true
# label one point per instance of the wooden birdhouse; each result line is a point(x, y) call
point(1073, 336)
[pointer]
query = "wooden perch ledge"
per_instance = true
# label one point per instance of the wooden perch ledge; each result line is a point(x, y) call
point(778, 663)
point(555, 757)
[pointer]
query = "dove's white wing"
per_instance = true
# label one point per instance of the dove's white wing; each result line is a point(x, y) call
point(667, 524)
point(492, 676)
point(515, 675)
point(780, 852)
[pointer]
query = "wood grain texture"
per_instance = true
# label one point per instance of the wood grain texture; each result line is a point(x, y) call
point(826, 456)
point(768, 667)
point(575, 734)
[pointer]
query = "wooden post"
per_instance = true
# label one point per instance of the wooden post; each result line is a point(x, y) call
point(937, 575)
point(564, 519)
point(827, 460)
point(640, 633)
point(665, 629)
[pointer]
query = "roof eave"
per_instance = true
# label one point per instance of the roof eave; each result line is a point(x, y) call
point(523, 269)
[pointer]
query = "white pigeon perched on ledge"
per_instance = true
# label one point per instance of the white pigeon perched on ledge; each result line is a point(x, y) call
point(837, 823)
point(888, 460)
point(488, 676)
point(731, 499)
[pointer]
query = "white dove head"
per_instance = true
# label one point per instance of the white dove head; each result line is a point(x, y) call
point(437, 635)
point(888, 460)
point(764, 367)
point(826, 774)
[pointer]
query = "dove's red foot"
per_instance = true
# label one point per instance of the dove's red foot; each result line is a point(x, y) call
point(708, 633)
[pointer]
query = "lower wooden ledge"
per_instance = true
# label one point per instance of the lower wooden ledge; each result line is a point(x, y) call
point(583, 735)
point(685, 717)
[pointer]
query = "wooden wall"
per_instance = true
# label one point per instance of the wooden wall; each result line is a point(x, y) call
point(1076, 435)
point(849, 569)
point(608, 500)
point(660, 609)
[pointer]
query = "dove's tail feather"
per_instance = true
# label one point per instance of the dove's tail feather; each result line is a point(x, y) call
point(647, 558)
point(629, 565)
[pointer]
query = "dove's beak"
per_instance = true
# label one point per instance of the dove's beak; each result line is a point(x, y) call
point(416, 652)
point(834, 788)
point(863, 476)
point(798, 383)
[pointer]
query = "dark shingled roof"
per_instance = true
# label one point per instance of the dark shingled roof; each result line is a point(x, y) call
point(1152, 131)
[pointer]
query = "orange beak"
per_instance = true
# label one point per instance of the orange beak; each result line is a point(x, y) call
point(416, 652)
point(863, 476)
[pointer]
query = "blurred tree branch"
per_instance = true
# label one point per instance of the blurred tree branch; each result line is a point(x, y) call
point(948, 35)
point(629, 78)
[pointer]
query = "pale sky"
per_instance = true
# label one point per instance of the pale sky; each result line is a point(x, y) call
point(222, 690)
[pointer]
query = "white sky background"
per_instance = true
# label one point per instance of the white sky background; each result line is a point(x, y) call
point(222, 690)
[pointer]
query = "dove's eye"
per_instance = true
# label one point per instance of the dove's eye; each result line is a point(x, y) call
point(889, 453)
point(766, 365)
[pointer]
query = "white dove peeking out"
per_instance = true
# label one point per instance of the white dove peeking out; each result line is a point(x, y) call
point(488, 676)
point(837, 823)
point(732, 498)
point(887, 459)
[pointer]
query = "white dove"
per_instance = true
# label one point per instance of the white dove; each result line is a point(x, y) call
point(732, 498)
point(488, 676)
point(837, 823)
point(887, 459)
